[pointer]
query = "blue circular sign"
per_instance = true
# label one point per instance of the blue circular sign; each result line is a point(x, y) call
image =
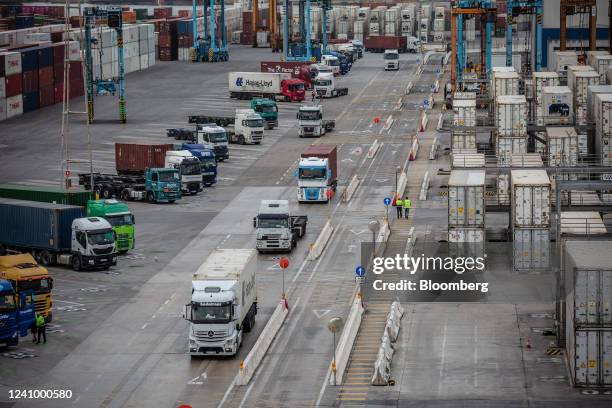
point(387, 201)
point(360, 271)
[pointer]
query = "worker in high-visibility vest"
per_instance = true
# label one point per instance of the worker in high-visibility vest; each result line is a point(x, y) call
point(398, 205)
point(407, 204)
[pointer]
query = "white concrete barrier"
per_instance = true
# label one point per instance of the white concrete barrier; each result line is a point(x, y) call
point(401, 183)
point(382, 237)
point(347, 338)
point(434, 149)
point(316, 249)
point(350, 189)
point(409, 87)
point(424, 187)
point(427, 56)
point(373, 149)
point(440, 121)
point(423, 122)
point(414, 149)
point(382, 365)
point(447, 58)
point(436, 87)
point(249, 365)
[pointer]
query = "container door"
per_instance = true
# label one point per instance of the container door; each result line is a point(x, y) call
point(593, 357)
point(521, 251)
point(452, 205)
point(581, 295)
point(605, 296)
point(540, 249)
point(581, 357)
point(522, 205)
point(606, 357)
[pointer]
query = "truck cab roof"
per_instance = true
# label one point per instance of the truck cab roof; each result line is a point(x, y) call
point(179, 153)
point(106, 206)
point(274, 207)
point(23, 265)
point(210, 128)
point(90, 224)
point(313, 162)
point(199, 149)
point(311, 108)
point(217, 291)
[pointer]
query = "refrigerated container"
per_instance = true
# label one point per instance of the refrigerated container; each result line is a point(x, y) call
point(464, 112)
point(557, 105)
point(589, 353)
point(530, 197)
point(603, 128)
point(511, 116)
point(438, 25)
point(562, 146)
point(468, 235)
point(504, 83)
point(600, 63)
point(591, 92)
point(508, 146)
point(461, 160)
point(583, 223)
point(562, 60)
point(463, 140)
point(531, 249)
point(526, 160)
point(579, 81)
point(466, 207)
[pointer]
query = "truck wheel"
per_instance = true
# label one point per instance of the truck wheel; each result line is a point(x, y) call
point(2, 250)
point(107, 192)
point(47, 258)
point(125, 194)
point(151, 197)
point(76, 263)
point(171, 201)
point(241, 140)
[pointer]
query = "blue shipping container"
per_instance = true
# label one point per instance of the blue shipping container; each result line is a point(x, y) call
point(184, 27)
point(45, 56)
point(31, 224)
point(31, 101)
point(29, 59)
point(26, 21)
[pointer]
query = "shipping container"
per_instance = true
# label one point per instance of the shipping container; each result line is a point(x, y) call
point(136, 158)
point(473, 235)
point(509, 146)
point(526, 160)
point(466, 198)
point(36, 225)
point(591, 92)
point(530, 198)
point(579, 78)
point(11, 62)
point(379, 43)
point(463, 140)
point(464, 112)
point(45, 194)
point(603, 128)
point(531, 249)
point(511, 116)
point(583, 223)
point(14, 106)
point(324, 151)
point(460, 159)
point(505, 83)
point(590, 357)
point(562, 60)
point(562, 146)
point(557, 105)
point(600, 62)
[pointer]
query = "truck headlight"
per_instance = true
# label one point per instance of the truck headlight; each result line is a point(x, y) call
point(192, 342)
point(229, 343)
point(91, 261)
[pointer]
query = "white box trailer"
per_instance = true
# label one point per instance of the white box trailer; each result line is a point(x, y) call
point(530, 197)
point(223, 302)
point(562, 146)
point(466, 203)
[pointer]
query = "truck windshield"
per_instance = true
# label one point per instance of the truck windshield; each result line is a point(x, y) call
point(312, 173)
point(190, 169)
point(267, 109)
point(323, 82)
point(38, 286)
point(217, 137)
point(119, 220)
point(308, 115)
point(166, 176)
point(392, 56)
point(208, 163)
point(101, 237)
point(203, 313)
point(296, 87)
point(272, 222)
point(254, 123)
point(7, 302)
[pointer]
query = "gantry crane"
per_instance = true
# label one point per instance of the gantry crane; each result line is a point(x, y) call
point(301, 49)
point(485, 10)
point(520, 7)
point(211, 46)
point(571, 7)
point(103, 86)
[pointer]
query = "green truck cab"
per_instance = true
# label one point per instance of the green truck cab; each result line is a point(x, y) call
point(119, 217)
point(267, 109)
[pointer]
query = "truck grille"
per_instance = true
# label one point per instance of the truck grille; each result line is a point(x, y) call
point(40, 305)
point(102, 251)
point(210, 335)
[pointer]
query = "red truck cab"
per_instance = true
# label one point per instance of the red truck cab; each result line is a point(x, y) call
point(293, 89)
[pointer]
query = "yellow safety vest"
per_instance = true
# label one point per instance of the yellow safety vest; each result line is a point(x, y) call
point(398, 202)
point(407, 203)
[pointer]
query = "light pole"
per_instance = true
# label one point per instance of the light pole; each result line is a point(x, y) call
point(334, 325)
point(397, 170)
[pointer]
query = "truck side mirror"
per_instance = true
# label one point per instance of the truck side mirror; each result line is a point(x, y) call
point(295, 173)
point(254, 222)
point(187, 311)
point(297, 115)
point(244, 123)
point(133, 219)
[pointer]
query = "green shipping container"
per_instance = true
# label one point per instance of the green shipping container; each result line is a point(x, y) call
point(141, 13)
point(44, 194)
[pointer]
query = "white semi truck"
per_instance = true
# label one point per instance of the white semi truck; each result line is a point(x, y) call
point(247, 126)
point(391, 59)
point(277, 229)
point(190, 167)
point(276, 86)
point(325, 86)
point(223, 302)
point(311, 122)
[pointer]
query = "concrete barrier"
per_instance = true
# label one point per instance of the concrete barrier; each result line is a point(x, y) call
point(447, 58)
point(316, 249)
point(382, 237)
point(440, 121)
point(347, 338)
point(373, 149)
point(249, 365)
point(401, 183)
point(424, 187)
point(409, 87)
point(414, 149)
point(424, 120)
point(434, 149)
point(384, 357)
point(436, 87)
point(350, 189)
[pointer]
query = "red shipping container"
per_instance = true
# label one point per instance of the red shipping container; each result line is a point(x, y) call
point(76, 88)
point(29, 81)
point(135, 158)
point(379, 43)
point(76, 70)
point(58, 93)
point(165, 40)
point(46, 96)
point(58, 73)
point(45, 77)
point(13, 85)
point(58, 53)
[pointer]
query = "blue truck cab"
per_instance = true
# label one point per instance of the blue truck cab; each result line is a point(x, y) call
point(207, 159)
point(163, 184)
point(345, 64)
point(16, 314)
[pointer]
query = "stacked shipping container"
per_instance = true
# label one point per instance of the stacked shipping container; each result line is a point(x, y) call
point(466, 210)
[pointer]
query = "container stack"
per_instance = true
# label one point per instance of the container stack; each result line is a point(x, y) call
point(438, 25)
point(464, 111)
point(587, 266)
point(168, 40)
point(602, 112)
point(392, 21)
point(538, 82)
point(511, 123)
point(466, 210)
point(579, 78)
point(377, 21)
point(408, 19)
point(361, 24)
point(562, 151)
point(530, 212)
point(600, 63)
point(184, 31)
point(11, 100)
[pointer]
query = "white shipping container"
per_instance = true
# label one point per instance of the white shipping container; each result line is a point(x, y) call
point(584, 223)
point(508, 146)
point(587, 266)
point(374, 29)
point(14, 106)
point(600, 63)
point(466, 198)
point(530, 198)
point(564, 59)
point(463, 140)
point(503, 189)
point(144, 62)
point(12, 63)
point(471, 235)
point(438, 24)
point(590, 356)
point(407, 28)
point(505, 83)
point(426, 11)
point(540, 80)
point(391, 29)
point(2, 109)
point(526, 160)
point(151, 57)
point(578, 81)
point(463, 160)
point(511, 115)
point(591, 100)
point(531, 249)
point(609, 75)
point(464, 95)
point(438, 38)
point(74, 51)
point(562, 146)
point(424, 25)
point(557, 105)
point(439, 13)
point(464, 112)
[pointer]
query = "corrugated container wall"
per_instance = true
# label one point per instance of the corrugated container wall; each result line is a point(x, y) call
point(530, 198)
point(562, 146)
point(531, 248)
point(511, 115)
point(131, 157)
point(466, 198)
point(45, 194)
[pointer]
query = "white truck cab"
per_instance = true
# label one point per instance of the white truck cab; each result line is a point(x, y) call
point(324, 84)
point(276, 228)
point(311, 122)
point(190, 168)
point(413, 45)
point(248, 127)
point(223, 302)
point(391, 59)
point(213, 137)
point(332, 62)
point(92, 244)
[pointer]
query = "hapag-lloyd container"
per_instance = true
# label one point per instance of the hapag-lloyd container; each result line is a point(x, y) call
point(465, 112)
point(590, 356)
point(530, 197)
point(588, 282)
point(557, 105)
point(562, 146)
point(531, 248)
point(511, 115)
point(466, 206)
point(508, 146)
